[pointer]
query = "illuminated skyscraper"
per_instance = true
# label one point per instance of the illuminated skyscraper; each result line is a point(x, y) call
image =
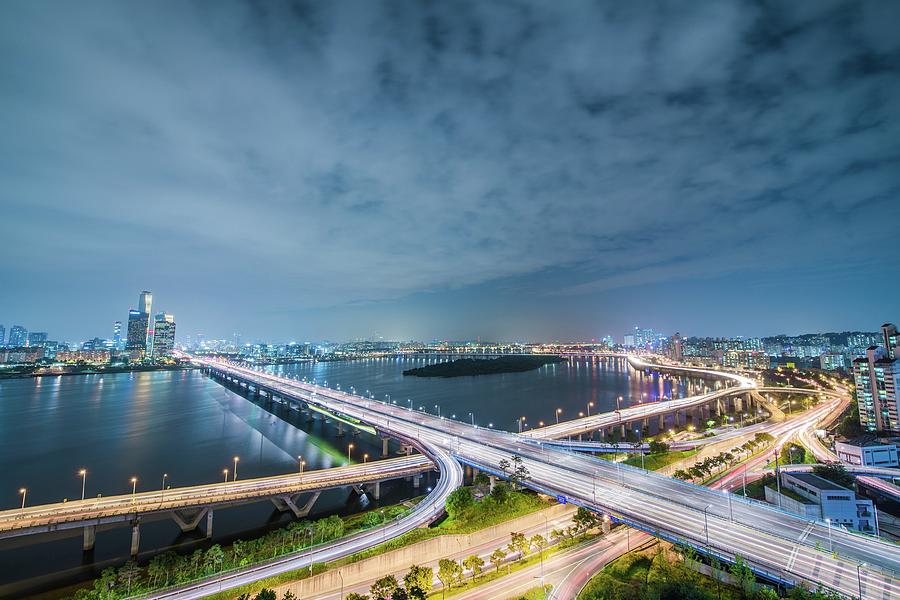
point(18, 337)
point(2, 335)
point(136, 342)
point(163, 334)
point(117, 334)
point(877, 379)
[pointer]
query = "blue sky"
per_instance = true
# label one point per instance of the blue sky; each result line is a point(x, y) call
point(409, 169)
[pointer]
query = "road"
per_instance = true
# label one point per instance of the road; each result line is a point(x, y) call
point(774, 542)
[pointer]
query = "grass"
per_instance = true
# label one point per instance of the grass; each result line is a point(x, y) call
point(654, 462)
point(483, 514)
point(656, 571)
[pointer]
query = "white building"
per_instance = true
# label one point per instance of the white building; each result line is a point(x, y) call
point(814, 497)
point(868, 452)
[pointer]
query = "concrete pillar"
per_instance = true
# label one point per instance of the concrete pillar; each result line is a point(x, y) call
point(604, 525)
point(416, 481)
point(493, 480)
point(376, 490)
point(661, 424)
point(340, 429)
point(135, 537)
point(645, 425)
point(622, 431)
point(579, 437)
point(209, 515)
point(384, 447)
point(90, 536)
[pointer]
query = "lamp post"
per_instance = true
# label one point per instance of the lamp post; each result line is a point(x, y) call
point(706, 523)
point(438, 407)
point(23, 491)
point(365, 458)
point(859, 578)
point(409, 401)
point(589, 405)
point(830, 543)
point(225, 473)
point(234, 475)
point(349, 448)
point(472, 415)
point(640, 434)
point(133, 489)
point(558, 411)
point(83, 473)
point(162, 490)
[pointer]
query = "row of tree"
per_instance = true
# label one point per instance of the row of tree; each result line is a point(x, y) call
point(714, 464)
point(170, 568)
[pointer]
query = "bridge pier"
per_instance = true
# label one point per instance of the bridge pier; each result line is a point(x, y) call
point(90, 537)
point(376, 490)
point(289, 502)
point(135, 537)
point(416, 481)
point(340, 432)
point(384, 447)
point(209, 517)
point(493, 480)
point(189, 520)
point(661, 423)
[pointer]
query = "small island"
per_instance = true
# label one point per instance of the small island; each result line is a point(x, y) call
point(483, 366)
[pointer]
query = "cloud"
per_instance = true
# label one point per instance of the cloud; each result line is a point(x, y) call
point(332, 153)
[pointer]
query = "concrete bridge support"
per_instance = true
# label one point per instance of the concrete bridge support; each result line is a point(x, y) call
point(661, 423)
point(189, 519)
point(376, 490)
point(135, 537)
point(340, 432)
point(493, 480)
point(289, 502)
point(384, 446)
point(209, 517)
point(417, 480)
point(90, 537)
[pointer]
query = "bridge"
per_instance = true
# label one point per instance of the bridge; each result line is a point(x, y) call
point(777, 545)
point(188, 506)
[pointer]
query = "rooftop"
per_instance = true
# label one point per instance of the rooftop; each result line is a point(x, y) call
point(814, 481)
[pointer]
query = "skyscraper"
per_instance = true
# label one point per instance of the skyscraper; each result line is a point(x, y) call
point(164, 334)
point(140, 329)
point(877, 379)
point(18, 336)
point(2, 335)
point(145, 305)
point(36, 338)
point(117, 335)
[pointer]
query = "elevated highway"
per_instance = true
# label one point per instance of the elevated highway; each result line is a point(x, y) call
point(188, 506)
point(776, 544)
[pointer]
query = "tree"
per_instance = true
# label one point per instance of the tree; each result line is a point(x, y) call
point(128, 575)
point(289, 595)
point(520, 472)
point(538, 542)
point(835, 474)
point(384, 588)
point(459, 501)
point(475, 564)
point(497, 558)
point(449, 572)
point(584, 519)
point(504, 466)
point(266, 594)
point(519, 543)
point(329, 528)
point(213, 558)
point(482, 479)
point(556, 534)
point(658, 447)
point(355, 596)
point(744, 575)
point(500, 493)
point(419, 578)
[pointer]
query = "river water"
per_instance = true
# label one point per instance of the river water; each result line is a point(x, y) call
point(189, 427)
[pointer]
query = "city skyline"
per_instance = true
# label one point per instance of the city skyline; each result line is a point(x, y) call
point(436, 172)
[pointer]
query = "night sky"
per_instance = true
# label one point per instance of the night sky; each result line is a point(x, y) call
point(513, 170)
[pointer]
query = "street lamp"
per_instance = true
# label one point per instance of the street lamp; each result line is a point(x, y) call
point(438, 407)
point(225, 473)
point(830, 543)
point(859, 577)
point(83, 473)
point(589, 405)
point(234, 475)
point(23, 491)
point(706, 523)
point(133, 489)
point(163, 488)
point(349, 448)
point(365, 458)
point(472, 415)
point(558, 411)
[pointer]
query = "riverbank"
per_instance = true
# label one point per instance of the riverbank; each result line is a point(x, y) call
point(26, 372)
point(483, 366)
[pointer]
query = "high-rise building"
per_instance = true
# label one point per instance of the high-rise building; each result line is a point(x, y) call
point(877, 379)
point(136, 341)
point(145, 302)
point(891, 340)
point(2, 335)
point(18, 337)
point(163, 334)
point(831, 361)
point(117, 335)
point(35, 338)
